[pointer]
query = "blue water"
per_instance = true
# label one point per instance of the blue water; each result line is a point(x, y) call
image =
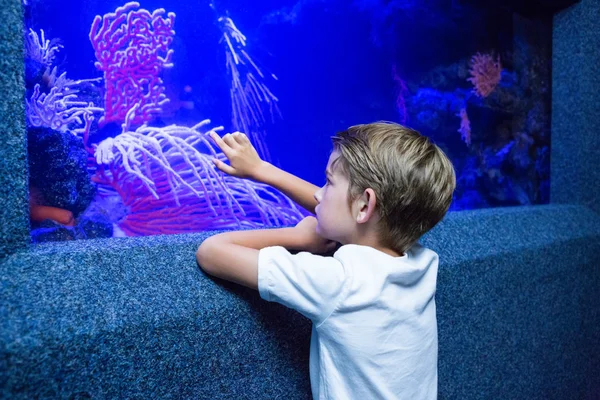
point(330, 64)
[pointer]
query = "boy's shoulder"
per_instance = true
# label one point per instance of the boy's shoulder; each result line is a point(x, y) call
point(416, 252)
point(361, 260)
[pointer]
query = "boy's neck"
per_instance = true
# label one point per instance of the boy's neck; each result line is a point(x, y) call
point(372, 241)
point(390, 252)
point(367, 234)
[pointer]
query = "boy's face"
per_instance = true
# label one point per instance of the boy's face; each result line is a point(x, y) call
point(335, 221)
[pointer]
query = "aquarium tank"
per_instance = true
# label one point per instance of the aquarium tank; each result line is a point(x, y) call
point(121, 98)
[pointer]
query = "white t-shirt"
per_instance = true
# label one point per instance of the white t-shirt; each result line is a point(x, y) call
point(374, 330)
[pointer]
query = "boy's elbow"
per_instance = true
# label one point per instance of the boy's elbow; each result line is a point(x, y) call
point(203, 256)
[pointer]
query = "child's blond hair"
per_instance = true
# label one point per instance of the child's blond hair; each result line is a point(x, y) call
point(412, 178)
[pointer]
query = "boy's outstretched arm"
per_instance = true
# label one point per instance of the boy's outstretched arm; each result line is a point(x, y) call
point(233, 256)
point(246, 163)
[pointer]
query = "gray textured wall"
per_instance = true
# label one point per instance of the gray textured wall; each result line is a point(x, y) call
point(575, 165)
point(14, 212)
point(517, 312)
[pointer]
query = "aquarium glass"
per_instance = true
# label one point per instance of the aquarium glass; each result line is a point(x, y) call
point(121, 99)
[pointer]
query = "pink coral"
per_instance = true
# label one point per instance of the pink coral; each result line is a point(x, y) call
point(132, 46)
point(465, 126)
point(485, 73)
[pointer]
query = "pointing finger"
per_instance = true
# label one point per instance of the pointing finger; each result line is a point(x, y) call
point(221, 143)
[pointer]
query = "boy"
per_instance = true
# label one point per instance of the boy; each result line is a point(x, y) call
point(372, 304)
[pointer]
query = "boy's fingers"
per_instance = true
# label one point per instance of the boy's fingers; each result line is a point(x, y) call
point(239, 137)
point(222, 145)
point(223, 167)
point(230, 140)
point(244, 139)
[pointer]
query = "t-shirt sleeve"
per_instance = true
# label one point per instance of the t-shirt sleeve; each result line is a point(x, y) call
point(305, 282)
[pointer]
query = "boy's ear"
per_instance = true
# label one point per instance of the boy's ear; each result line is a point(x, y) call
point(366, 206)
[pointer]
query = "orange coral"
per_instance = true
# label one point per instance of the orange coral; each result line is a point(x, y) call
point(485, 73)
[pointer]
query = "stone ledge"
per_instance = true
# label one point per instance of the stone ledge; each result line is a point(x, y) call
point(517, 303)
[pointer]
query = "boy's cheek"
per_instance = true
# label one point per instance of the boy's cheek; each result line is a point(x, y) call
point(318, 229)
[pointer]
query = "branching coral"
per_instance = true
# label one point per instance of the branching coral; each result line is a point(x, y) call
point(251, 99)
point(168, 180)
point(60, 109)
point(137, 150)
point(40, 49)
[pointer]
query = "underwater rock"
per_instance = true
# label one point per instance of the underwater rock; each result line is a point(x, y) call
point(436, 115)
point(102, 216)
point(508, 79)
point(538, 121)
point(88, 226)
point(429, 118)
point(469, 172)
point(520, 155)
point(507, 100)
point(50, 231)
point(110, 207)
point(542, 162)
point(92, 226)
point(486, 122)
point(58, 169)
point(446, 77)
point(468, 200)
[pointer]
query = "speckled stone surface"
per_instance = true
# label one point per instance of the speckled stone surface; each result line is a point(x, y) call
point(575, 172)
point(518, 303)
point(14, 212)
point(136, 318)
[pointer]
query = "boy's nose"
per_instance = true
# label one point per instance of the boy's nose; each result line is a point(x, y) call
point(318, 195)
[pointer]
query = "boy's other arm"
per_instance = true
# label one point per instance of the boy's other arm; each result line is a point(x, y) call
point(246, 163)
point(233, 256)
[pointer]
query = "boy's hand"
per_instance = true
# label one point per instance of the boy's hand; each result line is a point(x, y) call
point(309, 238)
point(245, 161)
